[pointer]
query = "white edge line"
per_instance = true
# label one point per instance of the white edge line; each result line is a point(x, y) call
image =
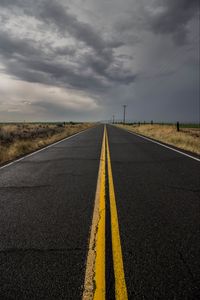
point(39, 150)
point(165, 146)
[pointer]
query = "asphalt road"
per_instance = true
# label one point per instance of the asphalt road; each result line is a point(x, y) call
point(46, 209)
point(158, 201)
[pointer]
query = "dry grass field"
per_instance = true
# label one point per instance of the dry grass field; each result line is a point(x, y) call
point(187, 138)
point(19, 139)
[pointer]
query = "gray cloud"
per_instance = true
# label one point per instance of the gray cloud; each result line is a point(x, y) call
point(51, 73)
point(173, 17)
point(31, 64)
point(169, 17)
point(27, 59)
point(57, 44)
point(54, 13)
point(51, 109)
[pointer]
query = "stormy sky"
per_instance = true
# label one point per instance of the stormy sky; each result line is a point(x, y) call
point(83, 59)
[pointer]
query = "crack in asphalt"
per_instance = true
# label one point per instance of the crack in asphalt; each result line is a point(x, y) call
point(93, 249)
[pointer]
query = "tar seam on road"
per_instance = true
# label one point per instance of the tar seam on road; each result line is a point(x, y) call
point(95, 276)
point(160, 144)
point(44, 148)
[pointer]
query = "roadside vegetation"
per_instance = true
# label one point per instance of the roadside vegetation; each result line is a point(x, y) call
point(187, 138)
point(22, 138)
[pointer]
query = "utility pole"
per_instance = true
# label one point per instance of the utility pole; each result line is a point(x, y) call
point(113, 119)
point(124, 118)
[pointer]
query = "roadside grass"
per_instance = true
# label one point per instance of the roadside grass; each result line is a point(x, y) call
point(20, 139)
point(187, 138)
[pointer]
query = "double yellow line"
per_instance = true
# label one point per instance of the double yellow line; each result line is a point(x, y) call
point(95, 283)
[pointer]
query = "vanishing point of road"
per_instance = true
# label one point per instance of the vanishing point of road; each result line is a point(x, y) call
point(104, 214)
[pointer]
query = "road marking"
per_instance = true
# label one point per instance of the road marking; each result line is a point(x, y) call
point(37, 151)
point(95, 286)
point(120, 284)
point(165, 146)
point(95, 283)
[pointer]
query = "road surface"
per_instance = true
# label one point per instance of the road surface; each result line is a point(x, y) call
point(103, 206)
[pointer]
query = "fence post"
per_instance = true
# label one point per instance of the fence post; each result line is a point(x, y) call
point(177, 126)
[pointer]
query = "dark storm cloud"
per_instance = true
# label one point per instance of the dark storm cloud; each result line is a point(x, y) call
point(28, 62)
point(27, 59)
point(11, 46)
point(173, 18)
point(169, 17)
point(48, 41)
point(109, 68)
point(54, 13)
point(52, 73)
point(6, 3)
point(63, 51)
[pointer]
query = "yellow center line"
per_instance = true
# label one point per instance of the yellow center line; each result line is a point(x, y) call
point(95, 284)
point(100, 288)
point(120, 284)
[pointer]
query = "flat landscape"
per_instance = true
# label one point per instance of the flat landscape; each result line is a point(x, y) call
point(104, 214)
point(187, 138)
point(22, 138)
